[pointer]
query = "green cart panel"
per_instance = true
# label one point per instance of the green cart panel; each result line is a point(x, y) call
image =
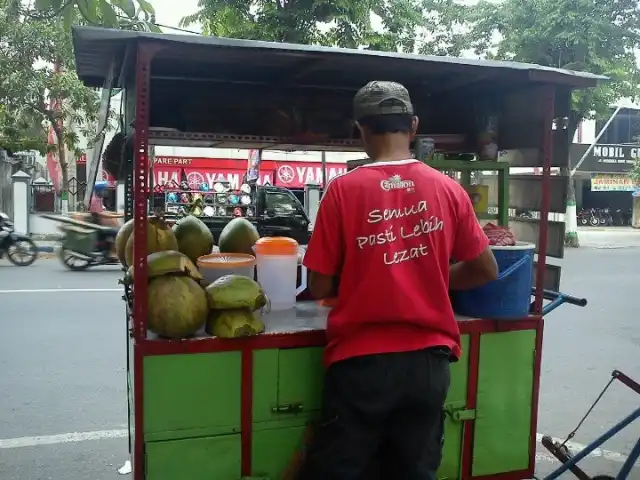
point(505, 392)
point(287, 383)
point(191, 395)
point(274, 449)
point(211, 458)
point(81, 240)
point(455, 414)
point(296, 364)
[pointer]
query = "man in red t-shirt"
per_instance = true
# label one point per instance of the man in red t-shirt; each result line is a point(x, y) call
point(382, 243)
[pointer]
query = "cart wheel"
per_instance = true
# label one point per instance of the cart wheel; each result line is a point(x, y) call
point(72, 262)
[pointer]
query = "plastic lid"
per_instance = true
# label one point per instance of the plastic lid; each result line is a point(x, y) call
point(226, 260)
point(277, 246)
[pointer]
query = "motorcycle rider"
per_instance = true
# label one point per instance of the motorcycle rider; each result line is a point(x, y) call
point(101, 216)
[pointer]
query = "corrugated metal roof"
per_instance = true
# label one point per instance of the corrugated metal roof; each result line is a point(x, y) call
point(95, 47)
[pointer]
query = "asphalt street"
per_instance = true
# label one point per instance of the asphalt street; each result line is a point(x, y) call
point(62, 364)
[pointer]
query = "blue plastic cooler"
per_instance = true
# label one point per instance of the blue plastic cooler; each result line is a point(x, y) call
point(507, 297)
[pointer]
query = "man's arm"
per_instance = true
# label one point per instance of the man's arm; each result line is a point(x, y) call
point(476, 264)
point(325, 252)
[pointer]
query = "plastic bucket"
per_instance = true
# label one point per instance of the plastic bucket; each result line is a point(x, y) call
point(507, 297)
point(216, 265)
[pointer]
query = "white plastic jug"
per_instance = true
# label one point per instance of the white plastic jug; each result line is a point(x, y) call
point(277, 263)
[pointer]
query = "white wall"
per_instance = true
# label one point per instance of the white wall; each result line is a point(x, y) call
point(42, 226)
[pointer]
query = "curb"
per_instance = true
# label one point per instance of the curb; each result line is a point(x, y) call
point(46, 249)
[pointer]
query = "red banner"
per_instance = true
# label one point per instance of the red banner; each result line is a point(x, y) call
point(200, 170)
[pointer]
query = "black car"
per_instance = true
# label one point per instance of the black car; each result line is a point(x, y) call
point(275, 211)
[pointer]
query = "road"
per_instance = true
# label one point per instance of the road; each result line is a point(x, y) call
point(62, 365)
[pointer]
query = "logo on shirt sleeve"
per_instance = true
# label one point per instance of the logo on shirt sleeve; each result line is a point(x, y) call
point(395, 182)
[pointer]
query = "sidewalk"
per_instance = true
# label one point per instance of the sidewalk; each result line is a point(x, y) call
point(609, 237)
point(46, 243)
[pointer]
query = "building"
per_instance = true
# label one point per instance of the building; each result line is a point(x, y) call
point(602, 169)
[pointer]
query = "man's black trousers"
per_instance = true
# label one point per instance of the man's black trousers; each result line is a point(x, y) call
point(382, 418)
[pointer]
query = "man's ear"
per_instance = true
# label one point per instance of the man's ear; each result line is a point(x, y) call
point(414, 126)
point(360, 129)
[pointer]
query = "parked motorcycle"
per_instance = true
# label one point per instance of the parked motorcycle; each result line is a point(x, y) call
point(20, 249)
point(588, 217)
point(604, 215)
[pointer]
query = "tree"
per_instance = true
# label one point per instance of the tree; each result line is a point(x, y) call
point(132, 14)
point(21, 131)
point(584, 35)
point(38, 84)
point(342, 23)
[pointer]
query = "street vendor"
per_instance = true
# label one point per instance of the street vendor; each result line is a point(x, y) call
point(383, 239)
point(101, 216)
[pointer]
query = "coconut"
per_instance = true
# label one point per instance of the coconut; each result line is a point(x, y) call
point(235, 291)
point(121, 241)
point(234, 323)
point(166, 263)
point(194, 237)
point(160, 238)
point(177, 306)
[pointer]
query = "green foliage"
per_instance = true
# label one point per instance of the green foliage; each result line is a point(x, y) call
point(36, 66)
point(342, 23)
point(128, 14)
point(21, 131)
point(584, 35)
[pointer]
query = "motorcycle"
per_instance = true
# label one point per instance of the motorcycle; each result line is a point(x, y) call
point(20, 249)
point(604, 217)
point(85, 246)
point(588, 217)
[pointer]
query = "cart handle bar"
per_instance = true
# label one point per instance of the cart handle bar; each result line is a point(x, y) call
point(555, 300)
point(551, 296)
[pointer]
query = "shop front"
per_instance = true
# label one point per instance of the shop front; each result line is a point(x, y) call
point(602, 180)
point(290, 174)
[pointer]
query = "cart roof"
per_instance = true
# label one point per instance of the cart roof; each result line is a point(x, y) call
point(199, 56)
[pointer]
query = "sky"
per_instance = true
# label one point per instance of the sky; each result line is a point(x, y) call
point(170, 12)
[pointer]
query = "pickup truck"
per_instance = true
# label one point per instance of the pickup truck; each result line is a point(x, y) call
point(278, 212)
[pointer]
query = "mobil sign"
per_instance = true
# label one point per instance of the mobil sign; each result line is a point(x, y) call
point(199, 170)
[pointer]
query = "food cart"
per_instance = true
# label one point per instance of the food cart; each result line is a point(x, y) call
point(226, 409)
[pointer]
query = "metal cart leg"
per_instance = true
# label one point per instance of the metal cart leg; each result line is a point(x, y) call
point(595, 444)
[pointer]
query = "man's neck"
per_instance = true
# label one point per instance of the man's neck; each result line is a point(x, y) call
point(392, 156)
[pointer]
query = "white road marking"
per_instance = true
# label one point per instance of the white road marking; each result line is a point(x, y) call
point(76, 437)
point(63, 290)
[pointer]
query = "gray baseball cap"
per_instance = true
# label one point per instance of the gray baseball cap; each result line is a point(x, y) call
point(381, 98)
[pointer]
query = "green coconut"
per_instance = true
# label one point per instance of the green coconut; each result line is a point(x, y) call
point(234, 323)
point(169, 262)
point(121, 241)
point(238, 236)
point(235, 291)
point(194, 237)
point(177, 306)
point(160, 238)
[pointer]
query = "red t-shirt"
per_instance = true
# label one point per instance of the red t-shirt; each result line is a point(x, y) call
point(388, 230)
